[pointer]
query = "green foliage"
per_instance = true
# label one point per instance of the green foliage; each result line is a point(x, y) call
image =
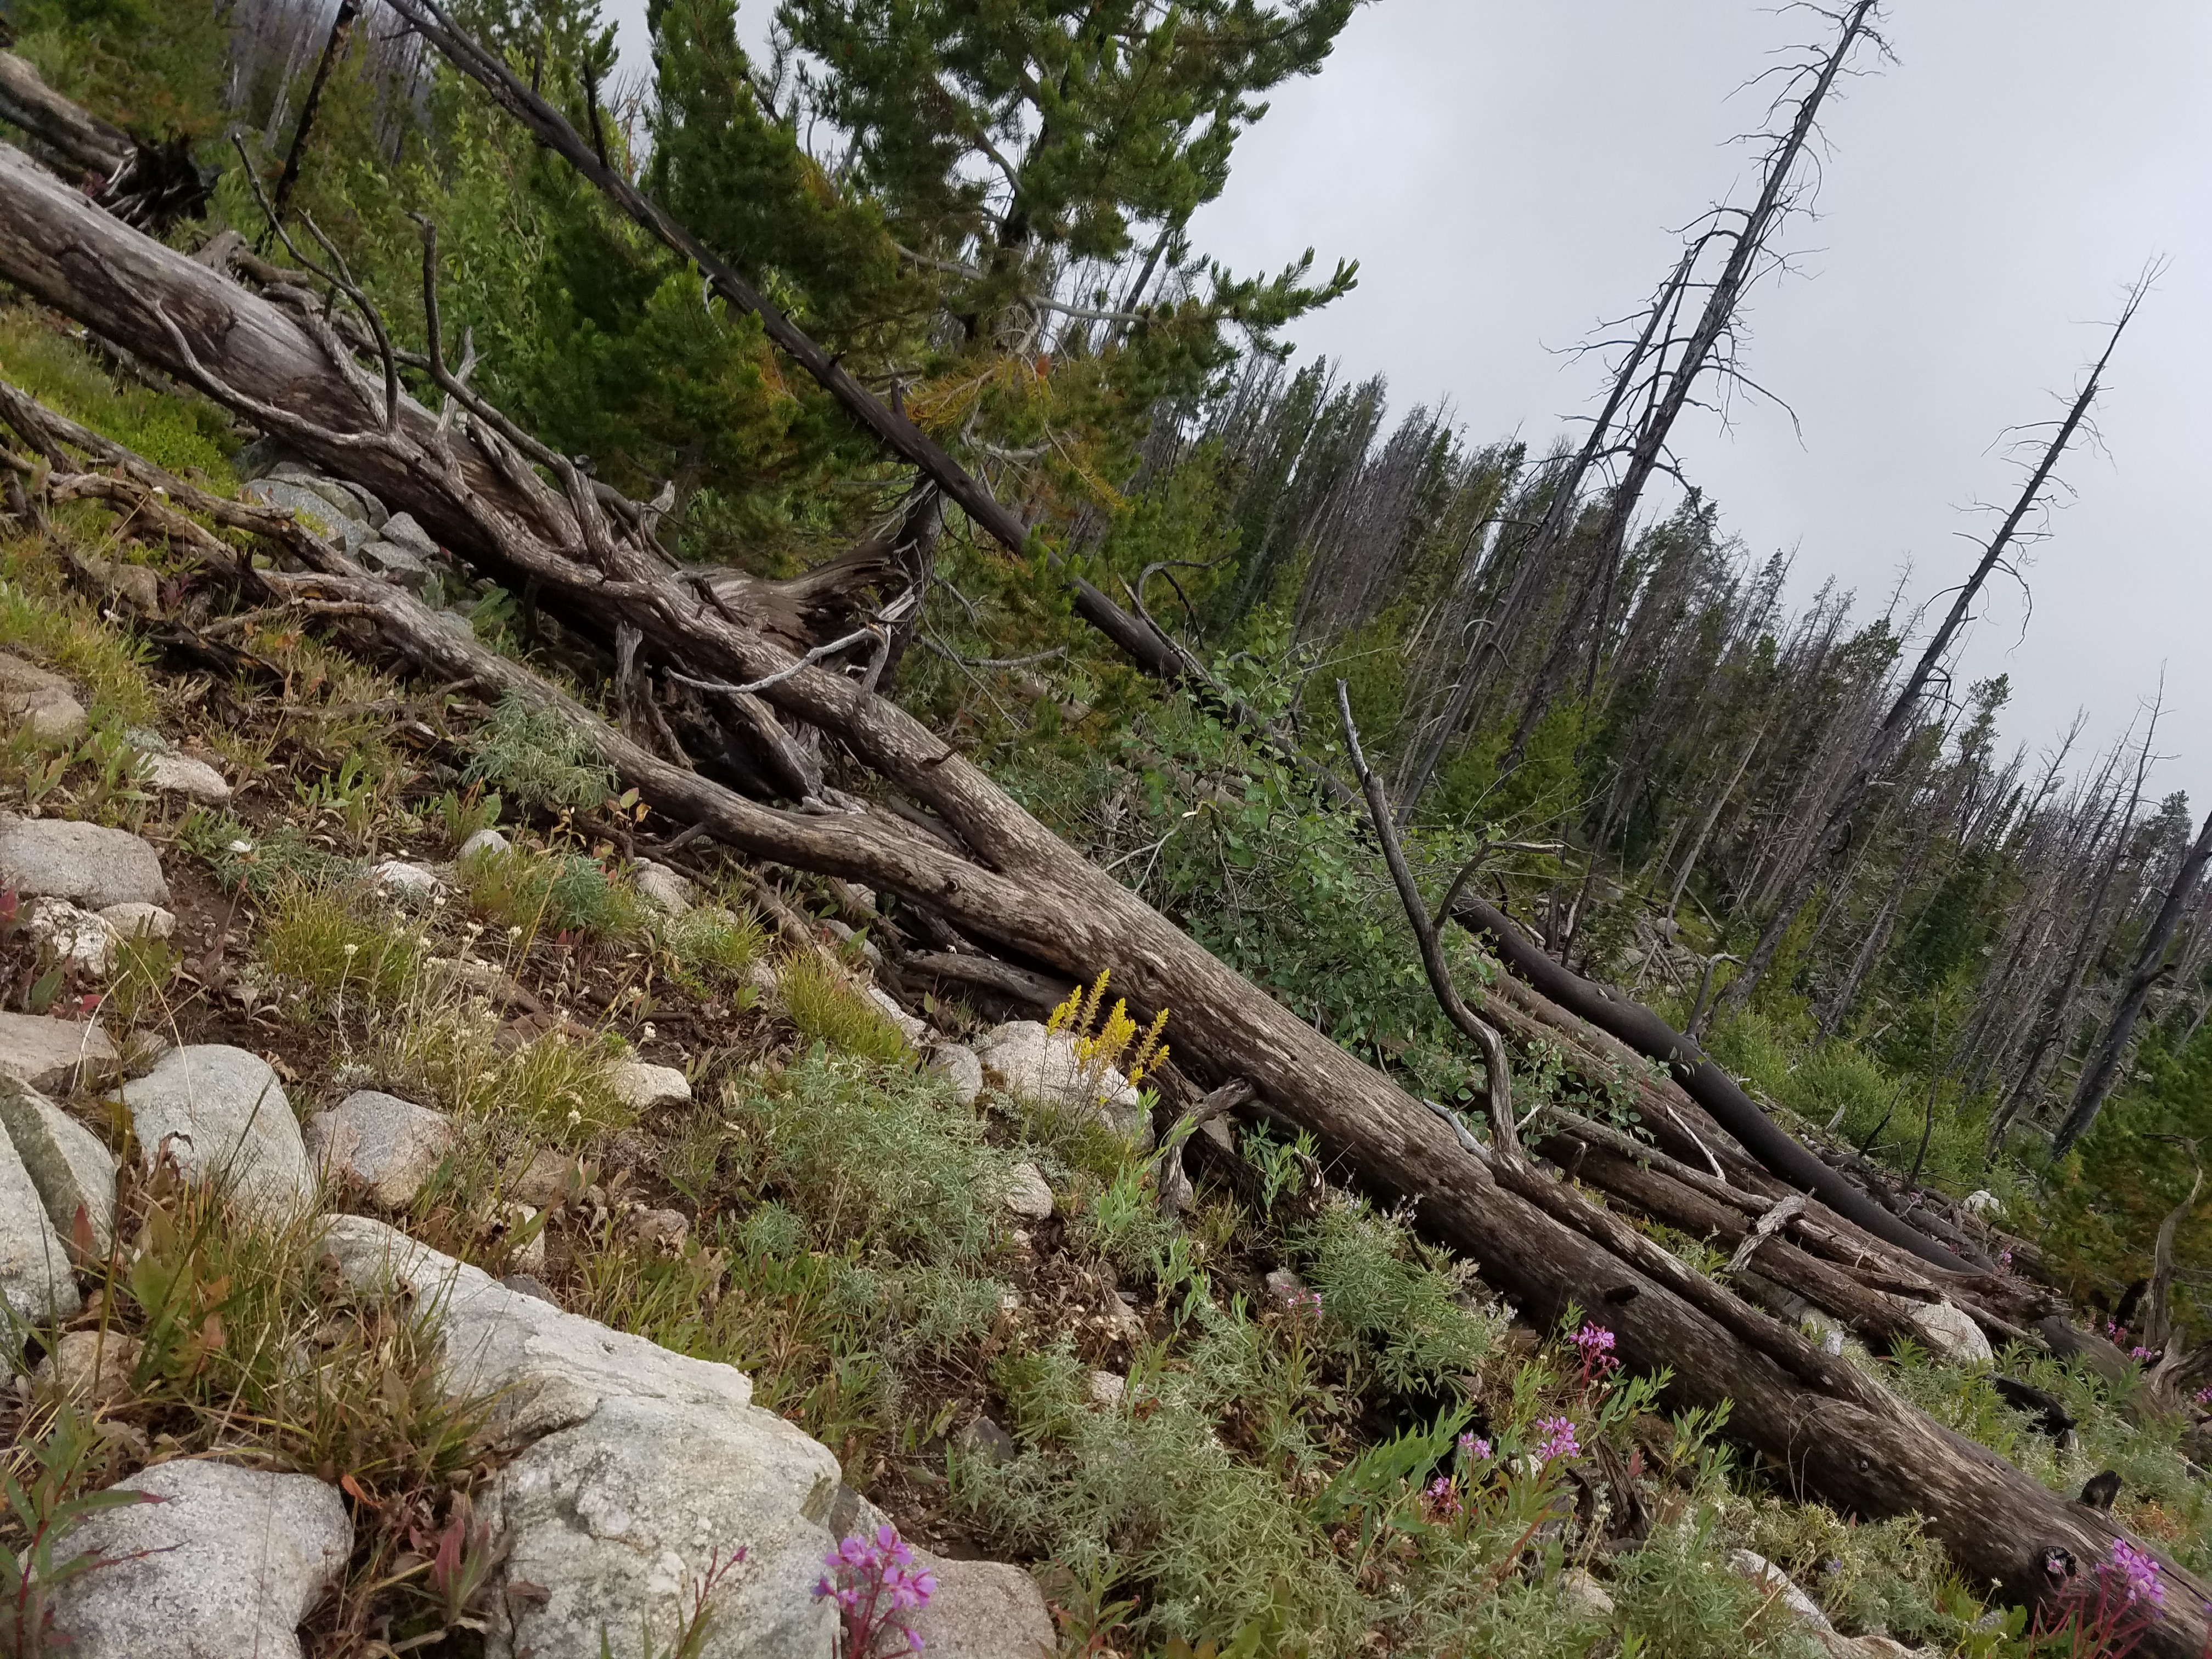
point(340, 945)
point(185, 433)
point(537, 759)
point(539, 893)
point(1676, 1596)
point(825, 1008)
point(1393, 1305)
point(875, 1154)
point(1151, 1500)
point(1887, 1577)
point(45, 1500)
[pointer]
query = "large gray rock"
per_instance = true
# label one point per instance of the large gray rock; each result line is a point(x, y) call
point(67, 1162)
point(1028, 1193)
point(384, 1145)
point(87, 864)
point(617, 1515)
point(227, 1564)
point(49, 1054)
point(230, 1120)
point(1025, 1058)
point(36, 1284)
point(395, 563)
point(984, 1610)
point(318, 512)
point(43, 701)
point(548, 1369)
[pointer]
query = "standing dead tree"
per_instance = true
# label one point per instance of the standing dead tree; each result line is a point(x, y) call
point(1904, 709)
point(1658, 378)
point(957, 849)
point(2103, 1070)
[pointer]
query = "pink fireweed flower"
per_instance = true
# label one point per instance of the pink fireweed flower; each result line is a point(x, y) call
point(2138, 1573)
point(877, 1591)
point(1443, 1495)
point(1559, 1441)
point(2204, 1396)
point(1474, 1448)
point(2141, 1352)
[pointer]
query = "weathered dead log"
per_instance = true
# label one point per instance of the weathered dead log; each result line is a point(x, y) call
point(67, 135)
point(468, 483)
point(1713, 1088)
point(1835, 1428)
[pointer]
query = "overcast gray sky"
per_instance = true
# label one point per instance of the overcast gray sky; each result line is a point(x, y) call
point(1508, 174)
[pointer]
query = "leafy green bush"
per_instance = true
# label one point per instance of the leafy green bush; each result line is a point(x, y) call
point(1392, 1303)
point(1676, 1594)
point(871, 1154)
point(550, 893)
point(535, 759)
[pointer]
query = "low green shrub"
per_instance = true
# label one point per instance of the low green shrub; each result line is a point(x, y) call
point(537, 759)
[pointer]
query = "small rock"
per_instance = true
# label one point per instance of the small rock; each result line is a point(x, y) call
point(404, 880)
point(228, 1561)
point(661, 887)
point(226, 1118)
point(1585, 1597)
point(50, 1054)
point(660, 1226)
point(129, 922)
point(43, 701)
point(91, 1366)
point(379, 1142)
point(482, 844)
point(1028, 1193)
point(402, 530)
point(1025, 1058)
point(68, 1165)
point(1284, 1288)
point(36, 1284)
point(1980, 1201)
point(984, 1441)
point(1121, 1318)
point(1949, 1332)
point(180, 774)
point(70, 939)
point(397, 564)
point(1106, 1389)
point(87, 863)
point(913, 1029)
point(549, 1176)
point(1772, 1581)
point(514, 1219)
point(530, 1284)
point(962, 1072)
point(137, 583)
point(644, 1087)
point(983, 1610)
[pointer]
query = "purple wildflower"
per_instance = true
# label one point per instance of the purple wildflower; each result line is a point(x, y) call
point(1559, 1440)
point(2139, 1573)
point(2141, 1352)
point(1475, 1448)
point(877, 1592)
point(2204, 1396)
point(1444, 1498)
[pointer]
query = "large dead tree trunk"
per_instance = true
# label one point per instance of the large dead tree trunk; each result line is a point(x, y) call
point(994, 873)
point(2103, 1070)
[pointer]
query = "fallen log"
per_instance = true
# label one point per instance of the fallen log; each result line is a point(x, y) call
point(141, 182)
point(1010, 882)
point(1720, 1095)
